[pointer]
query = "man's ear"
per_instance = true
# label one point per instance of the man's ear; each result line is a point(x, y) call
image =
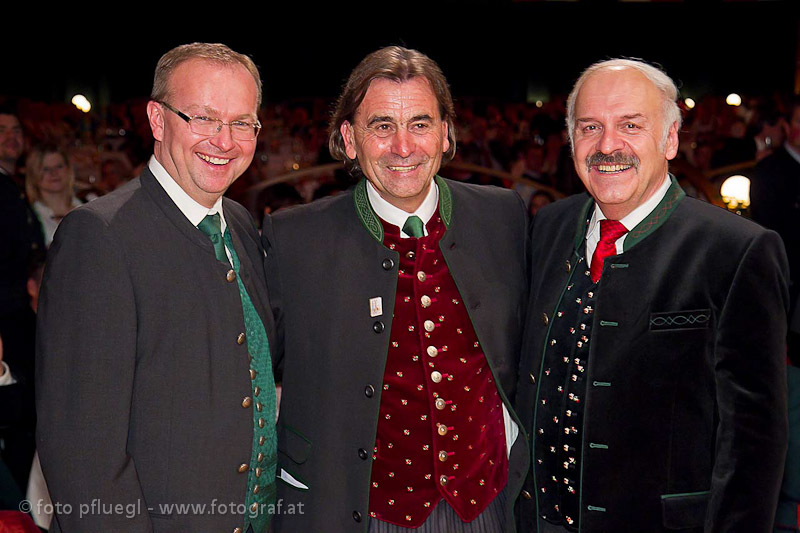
point(346, 129)
point(671, 148)
point(155, 115)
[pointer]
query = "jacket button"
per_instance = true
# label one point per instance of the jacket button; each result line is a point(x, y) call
point(410, 254)
point(567, 266)
point(526, 495)
point(247, 402)
point(443, 480)
point(443, 456)
point(243, 468)
point(237, 530)
point(545, 319)
point(387, 264)
point(533, 378)
point(362, 453)
point(231, 277)
point(356, 516)
point(369, 391)
point(436, 376)
point(378, 327)
point(422, 276)
point(240, 339)
point(440, 403)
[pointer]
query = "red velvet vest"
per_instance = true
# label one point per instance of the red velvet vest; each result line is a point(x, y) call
point(440, 431)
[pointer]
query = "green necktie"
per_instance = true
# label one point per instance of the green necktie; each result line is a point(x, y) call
point(211, 227)
point(414, 227)
point(261, 489)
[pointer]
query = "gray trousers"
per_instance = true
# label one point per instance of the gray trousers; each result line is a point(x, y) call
point(443, 519)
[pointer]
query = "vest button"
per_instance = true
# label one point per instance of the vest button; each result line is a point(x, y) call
point(436, 376)
point(356, 516)
point(231, 276)
point(256, 489)
point(432, 351)
point(369, 391)
point(258, 472)
point(378, 327)
point(387, 264)
point(254, 508)
point(261, 440)
point(260, 457)
point(256, 391)
point(260, 424)
point(362, 453)
point(252, 374)
point(247, 402)
point(526, 495)
point(440, 403)
point(429, 326)
point(421, 276)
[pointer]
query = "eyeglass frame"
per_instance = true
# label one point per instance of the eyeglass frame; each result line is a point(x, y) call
point(188, 119)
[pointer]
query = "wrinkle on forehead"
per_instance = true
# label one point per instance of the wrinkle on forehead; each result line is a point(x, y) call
point(400, 102)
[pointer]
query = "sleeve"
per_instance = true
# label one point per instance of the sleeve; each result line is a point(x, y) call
point(275, 294)
point(750, 371)
point(86, 361)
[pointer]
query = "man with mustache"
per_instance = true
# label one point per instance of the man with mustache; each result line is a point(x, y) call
point(653, 380)
point(401, 303)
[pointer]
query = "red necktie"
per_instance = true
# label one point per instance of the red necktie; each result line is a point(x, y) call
point(610, 231)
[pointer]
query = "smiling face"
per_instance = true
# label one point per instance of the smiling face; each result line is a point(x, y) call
point(398, 137)
point(205, 166)
point(54, 174)
point(619, 150)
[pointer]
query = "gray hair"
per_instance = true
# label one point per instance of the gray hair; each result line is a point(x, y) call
point(670, 111)
point(216, 52)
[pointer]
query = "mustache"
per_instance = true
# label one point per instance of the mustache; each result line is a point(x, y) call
point(617, 158)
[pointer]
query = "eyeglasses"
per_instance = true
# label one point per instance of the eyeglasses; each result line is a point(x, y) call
point(203, 125)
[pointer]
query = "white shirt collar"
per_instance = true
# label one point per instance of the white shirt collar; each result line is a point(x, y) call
point(630, 221)
point(194, 211)
point(396, 216)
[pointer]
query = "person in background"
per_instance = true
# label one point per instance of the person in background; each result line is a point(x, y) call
point(49, 183)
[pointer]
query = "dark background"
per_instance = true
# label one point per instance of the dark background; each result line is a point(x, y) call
point(503, 49)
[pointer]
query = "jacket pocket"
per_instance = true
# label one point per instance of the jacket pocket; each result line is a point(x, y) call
point(677, 320)
point(684, 510)
point(293, 451)
point(293, 444)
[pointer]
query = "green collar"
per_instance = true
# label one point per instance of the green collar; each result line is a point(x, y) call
point(373, 224)
point(652, 222)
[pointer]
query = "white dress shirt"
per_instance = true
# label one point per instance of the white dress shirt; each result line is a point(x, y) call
point(192, 210)
point(630, 221)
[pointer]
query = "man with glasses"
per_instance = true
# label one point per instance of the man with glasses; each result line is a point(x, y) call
point(155, 388)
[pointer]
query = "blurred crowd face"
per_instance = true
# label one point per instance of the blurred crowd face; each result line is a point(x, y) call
point(619, 153)
point(11, 140)
point(54, 174)
point(205, 166)
point(398, 137)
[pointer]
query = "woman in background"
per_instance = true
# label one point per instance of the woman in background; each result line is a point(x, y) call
point(49, 182)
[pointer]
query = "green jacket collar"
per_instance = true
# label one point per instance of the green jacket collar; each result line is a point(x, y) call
point(647, 226)
point(373, 224)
